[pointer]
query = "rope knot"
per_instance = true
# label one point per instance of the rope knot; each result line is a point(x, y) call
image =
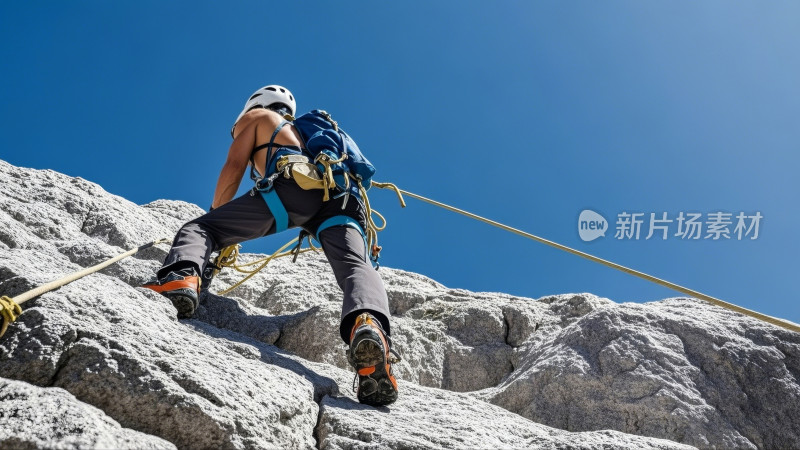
point(10, 310)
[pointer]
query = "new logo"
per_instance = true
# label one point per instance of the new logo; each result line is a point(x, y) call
point(591, 225)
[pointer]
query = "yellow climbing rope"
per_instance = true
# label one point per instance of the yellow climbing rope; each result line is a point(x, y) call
point(769, 319)
point(372, 228)
point(231, 260)
point(10, 308)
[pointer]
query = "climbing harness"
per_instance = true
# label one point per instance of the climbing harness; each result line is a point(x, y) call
point(715, 301)
point(228, 256)
point(331, 161)
point(10, 307)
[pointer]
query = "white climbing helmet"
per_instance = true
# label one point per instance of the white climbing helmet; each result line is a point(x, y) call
point(266, 96)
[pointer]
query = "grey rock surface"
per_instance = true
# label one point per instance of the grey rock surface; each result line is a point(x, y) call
point(428, 418)
point(121, 349)
point(263, 366)
point(678, 369)
point(34, 417)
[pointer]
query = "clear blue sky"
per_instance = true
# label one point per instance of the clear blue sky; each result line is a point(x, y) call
point(525, 112)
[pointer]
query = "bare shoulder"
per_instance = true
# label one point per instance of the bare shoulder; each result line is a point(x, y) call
point(256, 118)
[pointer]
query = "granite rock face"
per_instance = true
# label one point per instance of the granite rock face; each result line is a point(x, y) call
point(428, 418)
point(34, 416)
point(263, 366)
point(677, 369)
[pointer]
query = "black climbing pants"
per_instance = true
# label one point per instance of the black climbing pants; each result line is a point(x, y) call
point(248, 217)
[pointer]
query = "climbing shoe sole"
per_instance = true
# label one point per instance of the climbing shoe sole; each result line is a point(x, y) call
point(369, 354)
point(375, 386)
point(184, 300)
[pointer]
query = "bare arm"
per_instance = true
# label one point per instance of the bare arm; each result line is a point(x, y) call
point(255, 127)
point(230, 177)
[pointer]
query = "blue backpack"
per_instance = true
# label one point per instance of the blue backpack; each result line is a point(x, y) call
point(337, 157)
point(322, 136)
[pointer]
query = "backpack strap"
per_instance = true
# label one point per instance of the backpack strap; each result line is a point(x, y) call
point(269, 152)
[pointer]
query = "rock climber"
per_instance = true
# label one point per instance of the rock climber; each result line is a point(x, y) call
point(258, 133)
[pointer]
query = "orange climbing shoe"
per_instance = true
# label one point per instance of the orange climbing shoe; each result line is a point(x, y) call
point(181, 287)
point(372, 357)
